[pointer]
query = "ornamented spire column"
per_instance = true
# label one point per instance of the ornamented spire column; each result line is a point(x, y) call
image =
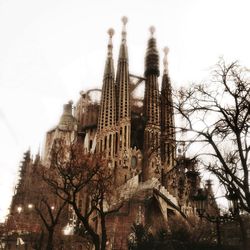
point(123, 95)
point(151, 166)
point(168, 141)
point(107, 117)
point(123, 109)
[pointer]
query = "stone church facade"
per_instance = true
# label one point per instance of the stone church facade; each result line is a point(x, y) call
point(137, 138)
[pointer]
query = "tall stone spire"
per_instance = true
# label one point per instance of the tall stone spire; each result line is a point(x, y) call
point(152, 111)
point(123, 110)
point(107, 116)
point(123, 94)
point(168, 142)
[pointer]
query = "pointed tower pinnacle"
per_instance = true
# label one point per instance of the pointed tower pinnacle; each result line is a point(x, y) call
point(124, 32)
point(152, 56)
point(107, 115)
point(152, 131)
point(109, 67)
point(123, 53)
point(168, 143)
point(165, 60)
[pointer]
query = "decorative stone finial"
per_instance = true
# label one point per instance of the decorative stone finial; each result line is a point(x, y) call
point(152, 30)
point(124, 20)
point(124, 32)
point(166, 50)
point(165, 60)
point(111, 32)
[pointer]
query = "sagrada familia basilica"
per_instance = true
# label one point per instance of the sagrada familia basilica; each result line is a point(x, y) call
point(137, 136)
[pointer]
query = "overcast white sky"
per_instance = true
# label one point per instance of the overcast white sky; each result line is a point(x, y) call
point(50, 50)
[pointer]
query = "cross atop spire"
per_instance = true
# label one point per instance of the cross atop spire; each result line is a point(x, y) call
point(124, 31)
point(110, 44)
point(165, 60)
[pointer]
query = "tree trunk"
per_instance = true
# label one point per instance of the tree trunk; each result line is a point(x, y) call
point(97, 244)
point(50, 239)
point(104, 233)
point(243, 233)
point(40, 241)
point(218, 232)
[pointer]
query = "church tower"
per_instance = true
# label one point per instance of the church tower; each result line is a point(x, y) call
point(168, 144)
point(107, 117)
point(123, 94)
point(152, 132)
point(123, 112)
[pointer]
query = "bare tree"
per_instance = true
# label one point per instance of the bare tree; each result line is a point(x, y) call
point(217, 116)
point(49, 215)
point(80, 179)
point(50, 210)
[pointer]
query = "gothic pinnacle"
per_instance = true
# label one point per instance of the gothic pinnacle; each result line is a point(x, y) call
point(123, 53)
point(165, 60)
point(109, 68)
point(110, 44)
point(124, 32)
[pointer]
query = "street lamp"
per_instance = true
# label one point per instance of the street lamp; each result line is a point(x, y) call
point(200, 199)
point(19, 209)
point(30, 206)
point(233, 203)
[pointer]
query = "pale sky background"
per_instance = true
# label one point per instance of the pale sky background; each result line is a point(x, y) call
point(50, 50)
